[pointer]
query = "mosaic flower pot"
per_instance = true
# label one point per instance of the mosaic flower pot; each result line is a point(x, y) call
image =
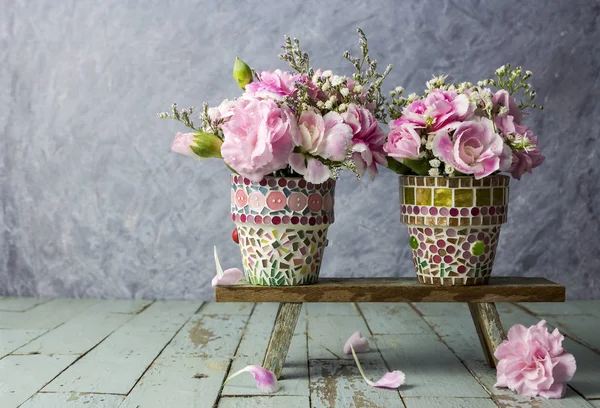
point(282, 225)
point(453, 225)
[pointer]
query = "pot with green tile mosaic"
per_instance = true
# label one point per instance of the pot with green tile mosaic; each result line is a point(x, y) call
point(450, 146)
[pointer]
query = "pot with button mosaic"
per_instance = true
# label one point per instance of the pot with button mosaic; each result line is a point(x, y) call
point(285, 140)
point(450, 146)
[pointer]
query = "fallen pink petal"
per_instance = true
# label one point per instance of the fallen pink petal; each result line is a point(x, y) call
point(265, 379)
point(228, 277)
point(393, 379)
point(358, 342)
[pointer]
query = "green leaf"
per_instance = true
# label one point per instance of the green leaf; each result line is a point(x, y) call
point(397, 167)
point(421, 167)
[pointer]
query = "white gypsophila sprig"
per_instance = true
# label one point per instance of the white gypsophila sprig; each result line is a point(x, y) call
point(434, 172)
point(435, 163)
point(515, 81)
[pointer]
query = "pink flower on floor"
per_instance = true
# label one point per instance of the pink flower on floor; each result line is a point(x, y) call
point(230, 276)
point(265, 379)
point(258, 138)
point(356, 342)
point(393, 379)
point(368, 139)
point(475, 148)
point(403, 142)
point(272, 85)
point(533, 362)
point(182, 144)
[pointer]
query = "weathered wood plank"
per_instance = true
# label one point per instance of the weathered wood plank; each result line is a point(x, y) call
point(114, 366)
point(47, 315)
point(489, 329)
point(445, 402)
point(393, 318)
point(120, 306)
point(294, 376)
point(432, 369)
point(281, 337)
point(22, 376)
point(76, 336)
point(10, 340)
point(500, 289)
point(570, 308)
point(208, 336)
point(20, 304)
point(338, 383)
point(441, 308)
point(165, 316)
point(332, 309)
point(274, 401)
point(584, 328)
point(328, 334)
point(243, 309)
point(262, 319)
point(73, 400)
point(179, 382)
point(457, 332)
point(595, 403)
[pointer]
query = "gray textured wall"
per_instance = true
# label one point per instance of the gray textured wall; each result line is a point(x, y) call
point(95, 204)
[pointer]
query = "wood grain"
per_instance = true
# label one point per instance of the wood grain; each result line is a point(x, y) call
point(489, 329)
point(500, 289)
point(281, 337)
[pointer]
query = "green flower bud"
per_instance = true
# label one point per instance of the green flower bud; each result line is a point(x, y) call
point(207, 145)
point(241, 73)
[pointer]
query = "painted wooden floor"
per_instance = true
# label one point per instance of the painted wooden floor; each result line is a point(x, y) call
point(77, 353)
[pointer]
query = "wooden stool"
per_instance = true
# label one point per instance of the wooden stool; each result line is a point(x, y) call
point(481, 300)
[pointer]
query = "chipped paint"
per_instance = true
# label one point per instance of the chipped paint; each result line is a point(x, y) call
point(217, 365)
point(73, 397)
point(200, 336)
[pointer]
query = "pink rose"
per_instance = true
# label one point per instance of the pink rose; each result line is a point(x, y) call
point(475, 148)
point(403, 142)
point(368, 139)
point(273, 85)
point(182, 144)
point(533, 362)
point(506, 122)
point(258, 138)
point(327, 137)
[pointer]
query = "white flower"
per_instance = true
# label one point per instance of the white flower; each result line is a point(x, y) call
point(412, 97)
point(448, 169)
point(328, 104)
point(436, 82)
point(343, 107)
point(358, 89)
point(435, 163)
point(429, 146)
point(422, 155)
point(423, 140)
point(503, 111)
point(327, 73)
point(345, 91)
point(434, 172)
point(326, 86)
point(337, 80)
point(528, 73)
point(333, 98)
point(320, 104)
point(399, 89)
point(501, 70)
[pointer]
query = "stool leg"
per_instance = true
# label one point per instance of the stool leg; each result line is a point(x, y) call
point(281, 337)
point(490, 331)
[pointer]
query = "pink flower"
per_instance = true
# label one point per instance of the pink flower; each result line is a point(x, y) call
point(533, 362)
point(327, 137)
point(506, 122)
point(227, 277)
point(445, 107)
point(524, 161)
point(475, 148)
point(223, 111)
point(273, 85)
point(393, 379)
point(368, 139)
point(403, 142)
point(265, 379)
point(181, 144)
point(413, 113)
point(356, 342)
point(258, 138)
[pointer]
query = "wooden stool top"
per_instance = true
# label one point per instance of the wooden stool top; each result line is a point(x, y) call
point(500, 289)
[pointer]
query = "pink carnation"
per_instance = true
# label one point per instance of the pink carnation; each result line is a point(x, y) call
point(273, 85)
point(533, 362)
point(403, 142)
point(223, 111)
point(507, 121)
point(368, 139)
point(413, 113)
point(475, 148)
point(258, 138)
point(524, 161)
point(182, 144)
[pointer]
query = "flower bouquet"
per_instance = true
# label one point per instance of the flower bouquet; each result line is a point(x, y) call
point(450, 146)
point(285, 139)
